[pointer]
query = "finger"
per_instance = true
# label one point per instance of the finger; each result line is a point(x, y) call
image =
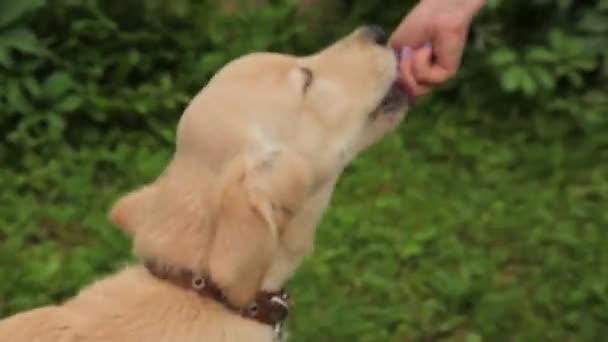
point(449, 42)
point(408, 81)
point(425, 70)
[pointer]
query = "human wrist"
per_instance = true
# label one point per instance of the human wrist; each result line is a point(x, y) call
point(472, 3)
point(470, 7)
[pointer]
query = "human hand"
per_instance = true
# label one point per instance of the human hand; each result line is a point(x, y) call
point(431, 40)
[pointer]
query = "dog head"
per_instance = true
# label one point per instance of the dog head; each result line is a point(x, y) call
point(332, 104)
point(254, 149)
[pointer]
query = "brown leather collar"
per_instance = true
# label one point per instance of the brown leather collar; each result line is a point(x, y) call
point(270, 308)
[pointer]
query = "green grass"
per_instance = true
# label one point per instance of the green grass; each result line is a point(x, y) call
point(451, 229)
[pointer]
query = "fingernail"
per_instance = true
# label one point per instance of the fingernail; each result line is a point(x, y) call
point(427, 44)
point(405, 52)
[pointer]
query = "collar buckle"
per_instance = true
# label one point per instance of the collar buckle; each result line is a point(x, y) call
point(279, 332)
point(270, 308)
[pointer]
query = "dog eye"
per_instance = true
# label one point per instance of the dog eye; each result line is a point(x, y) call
point(308, 78)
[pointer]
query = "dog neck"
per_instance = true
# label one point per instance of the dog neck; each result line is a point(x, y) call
point(270, 308)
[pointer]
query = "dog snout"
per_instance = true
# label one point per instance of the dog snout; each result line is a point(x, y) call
point(376, 34)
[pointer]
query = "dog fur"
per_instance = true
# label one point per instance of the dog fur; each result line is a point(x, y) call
point(257, 156)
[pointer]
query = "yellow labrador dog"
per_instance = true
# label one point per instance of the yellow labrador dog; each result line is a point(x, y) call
point(258, 153)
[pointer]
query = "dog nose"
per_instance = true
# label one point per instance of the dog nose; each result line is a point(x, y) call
point(377, 34)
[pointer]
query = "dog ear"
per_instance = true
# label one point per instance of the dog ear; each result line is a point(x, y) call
point(131, 210)
point(258, 197)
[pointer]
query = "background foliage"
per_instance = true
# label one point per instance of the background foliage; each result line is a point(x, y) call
point(483, 218)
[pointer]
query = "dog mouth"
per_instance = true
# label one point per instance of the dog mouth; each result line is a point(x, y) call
point(397, 96)
point(394, 100)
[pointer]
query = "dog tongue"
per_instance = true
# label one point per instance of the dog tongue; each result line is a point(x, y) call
point(408, 91)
